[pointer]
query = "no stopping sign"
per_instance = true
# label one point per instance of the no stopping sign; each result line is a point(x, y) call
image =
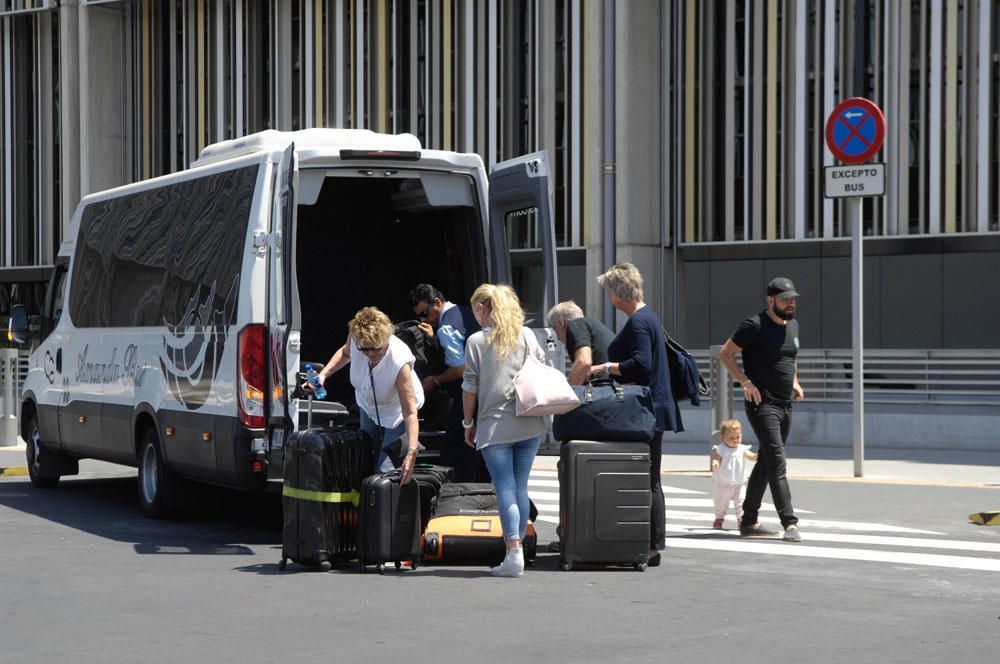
point(855, 130)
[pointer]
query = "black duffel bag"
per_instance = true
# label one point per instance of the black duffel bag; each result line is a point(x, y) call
point(608, 412)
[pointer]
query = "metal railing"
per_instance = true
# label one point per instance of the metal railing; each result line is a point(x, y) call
point(941, 377)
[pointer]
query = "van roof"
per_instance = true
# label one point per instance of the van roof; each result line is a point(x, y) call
point(317, 139)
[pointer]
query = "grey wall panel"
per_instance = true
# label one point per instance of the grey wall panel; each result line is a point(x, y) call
point(874, 296)
point(698, 303)
point(910, 308)
point(970, 298)
point(835, 303)
point(737, 292)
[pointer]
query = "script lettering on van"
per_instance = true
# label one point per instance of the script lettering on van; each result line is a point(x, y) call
point(114, 371)
point(192, 348)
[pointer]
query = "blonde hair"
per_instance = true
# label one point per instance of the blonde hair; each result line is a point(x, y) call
point(725, 426)
point(568, 310)
point(506, 316)
point(624, 280)
point(370, 328)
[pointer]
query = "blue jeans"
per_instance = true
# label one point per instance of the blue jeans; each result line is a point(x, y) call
point(509, 465)
point(390, 451)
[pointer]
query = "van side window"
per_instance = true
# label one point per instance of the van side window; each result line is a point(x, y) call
point(166, 254)
point(58, 298)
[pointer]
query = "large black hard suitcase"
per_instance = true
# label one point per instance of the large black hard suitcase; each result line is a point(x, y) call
point(322, 471)
point(388, 522)
point(604, 501)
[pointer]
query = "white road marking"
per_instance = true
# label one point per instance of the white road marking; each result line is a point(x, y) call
point(835, 553)
point(805, 524)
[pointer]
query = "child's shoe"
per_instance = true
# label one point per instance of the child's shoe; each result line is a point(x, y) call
point(717, 524)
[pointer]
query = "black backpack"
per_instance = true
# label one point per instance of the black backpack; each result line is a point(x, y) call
point(686, 380)
point(429, 356)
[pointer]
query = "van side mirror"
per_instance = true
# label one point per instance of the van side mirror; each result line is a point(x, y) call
point(17, 330)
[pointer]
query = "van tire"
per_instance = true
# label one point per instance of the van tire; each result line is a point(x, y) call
point(34, 449)
point(157, 484)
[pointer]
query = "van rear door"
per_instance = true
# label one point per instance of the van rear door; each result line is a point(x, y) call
point(522, 235)
point(283, 351)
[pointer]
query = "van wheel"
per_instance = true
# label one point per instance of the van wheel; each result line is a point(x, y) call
point(156, 482)
point(33, 451)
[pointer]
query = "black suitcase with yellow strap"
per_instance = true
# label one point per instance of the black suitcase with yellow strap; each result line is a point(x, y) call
point(322, 471)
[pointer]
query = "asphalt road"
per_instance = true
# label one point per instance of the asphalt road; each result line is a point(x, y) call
point(886, 573)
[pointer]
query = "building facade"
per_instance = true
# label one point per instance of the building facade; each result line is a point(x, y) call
point(685, 136)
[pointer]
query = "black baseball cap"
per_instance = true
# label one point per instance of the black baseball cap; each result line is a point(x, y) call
point(781, 287)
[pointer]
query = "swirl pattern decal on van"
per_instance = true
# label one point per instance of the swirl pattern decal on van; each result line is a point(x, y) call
point(192, 348)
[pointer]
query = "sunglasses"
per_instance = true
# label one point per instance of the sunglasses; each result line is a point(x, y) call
point(377, 349)
point(425, 313)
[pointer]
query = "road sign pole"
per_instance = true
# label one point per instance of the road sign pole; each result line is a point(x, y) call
point(854, 209)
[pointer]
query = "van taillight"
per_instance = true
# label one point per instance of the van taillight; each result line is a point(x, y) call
point(252, 376)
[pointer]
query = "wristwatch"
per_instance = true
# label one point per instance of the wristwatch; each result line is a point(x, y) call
point(412, 450)
point(468, 425)
point(607, 370)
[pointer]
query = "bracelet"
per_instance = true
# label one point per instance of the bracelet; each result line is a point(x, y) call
point(437, 381)
point(744, 383)
point(468, 425)
point(607, 370)
point(412, 450)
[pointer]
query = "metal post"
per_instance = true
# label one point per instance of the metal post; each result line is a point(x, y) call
point(720, 393)
point(8, 409)
point(853, 206)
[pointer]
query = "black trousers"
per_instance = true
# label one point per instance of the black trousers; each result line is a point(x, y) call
point(657, 511)
point(770, 422)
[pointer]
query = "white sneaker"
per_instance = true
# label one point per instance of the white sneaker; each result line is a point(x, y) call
point(792, 534)
point(512, 565)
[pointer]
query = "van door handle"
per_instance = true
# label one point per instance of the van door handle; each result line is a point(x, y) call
point(59, 360)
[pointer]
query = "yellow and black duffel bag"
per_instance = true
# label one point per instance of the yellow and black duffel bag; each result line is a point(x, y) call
point(465, 527)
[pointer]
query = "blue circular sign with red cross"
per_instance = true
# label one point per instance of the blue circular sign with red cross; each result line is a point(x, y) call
point(855, 130)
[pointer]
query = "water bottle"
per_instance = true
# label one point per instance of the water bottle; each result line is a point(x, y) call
point(313, 379)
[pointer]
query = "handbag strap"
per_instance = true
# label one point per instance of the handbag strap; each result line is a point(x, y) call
point(378, 420)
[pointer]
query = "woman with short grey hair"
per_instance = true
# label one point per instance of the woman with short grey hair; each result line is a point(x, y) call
point(638, 354)
point(624, 280)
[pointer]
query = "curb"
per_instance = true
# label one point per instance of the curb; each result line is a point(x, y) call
point(14, 471)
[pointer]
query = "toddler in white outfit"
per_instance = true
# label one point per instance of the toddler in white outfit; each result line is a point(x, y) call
point(729, 468)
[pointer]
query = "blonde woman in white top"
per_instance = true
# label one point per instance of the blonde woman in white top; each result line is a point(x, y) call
point(508, 442)
point(387, 388)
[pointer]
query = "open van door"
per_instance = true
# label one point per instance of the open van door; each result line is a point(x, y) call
point(283, 348)
point(522, 235)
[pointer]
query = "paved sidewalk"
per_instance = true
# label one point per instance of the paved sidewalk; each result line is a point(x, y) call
point(931, 467)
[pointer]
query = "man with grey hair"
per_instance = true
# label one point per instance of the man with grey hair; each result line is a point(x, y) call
point(586, 339)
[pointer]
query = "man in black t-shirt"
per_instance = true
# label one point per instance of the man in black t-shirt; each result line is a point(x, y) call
point(768, 342)
point(586, 339)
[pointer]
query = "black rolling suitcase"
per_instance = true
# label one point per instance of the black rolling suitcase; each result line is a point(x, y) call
point(388, 522)
point(322, 471)
point(604, 500)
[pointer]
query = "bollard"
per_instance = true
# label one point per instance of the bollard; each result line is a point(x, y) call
point(8, 397)
point(720, 395)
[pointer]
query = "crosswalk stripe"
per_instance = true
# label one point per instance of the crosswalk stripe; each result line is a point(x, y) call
point(870, 540)
point(863, 526)
point(864, 555)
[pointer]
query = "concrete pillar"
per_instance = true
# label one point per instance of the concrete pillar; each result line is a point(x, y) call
point(591, 217)
point(69, 112)
point(8, 392)
point(103, 105)
point(637, 74)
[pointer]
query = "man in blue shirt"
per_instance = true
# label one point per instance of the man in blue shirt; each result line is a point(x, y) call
point(449, 325)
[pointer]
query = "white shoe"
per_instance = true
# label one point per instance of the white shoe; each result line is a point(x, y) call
point(512, 565)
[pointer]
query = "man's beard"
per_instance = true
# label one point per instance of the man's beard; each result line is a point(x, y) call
point(787, 314)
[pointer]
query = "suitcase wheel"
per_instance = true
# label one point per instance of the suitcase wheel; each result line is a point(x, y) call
point(361, 568)
point(381, 568)
point(282, 564)
point(565, 565)
point(640, 566)
point(413, 564)
point(398, 565)
point(325, 566)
